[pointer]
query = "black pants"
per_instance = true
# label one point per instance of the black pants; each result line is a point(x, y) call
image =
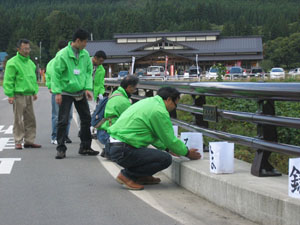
point(83, 110)
point(138, 162)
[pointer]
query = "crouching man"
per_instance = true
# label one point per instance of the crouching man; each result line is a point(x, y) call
point(146, 122)
point(116, 105)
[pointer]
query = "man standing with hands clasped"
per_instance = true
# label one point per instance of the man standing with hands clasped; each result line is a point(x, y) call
point(146, 122)
point(99, 75)
point(21, 87)
point(72, 83)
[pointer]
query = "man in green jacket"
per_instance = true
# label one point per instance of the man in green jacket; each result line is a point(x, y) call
point(55, 106)
point(99, 75)
point(21, 87)
point(115, 106)
point(146, 122)
point(72, 83)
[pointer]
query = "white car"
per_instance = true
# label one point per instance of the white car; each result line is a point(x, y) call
point(186, 74)
point(294, 72)
point(212, 73)
point(277, 73)
point(155, 71)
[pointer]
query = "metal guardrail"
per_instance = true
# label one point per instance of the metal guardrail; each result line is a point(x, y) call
point(264, 93)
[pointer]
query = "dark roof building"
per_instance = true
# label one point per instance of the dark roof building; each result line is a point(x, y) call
point(181, 49)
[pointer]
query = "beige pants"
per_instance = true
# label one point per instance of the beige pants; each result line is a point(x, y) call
point(24, 120)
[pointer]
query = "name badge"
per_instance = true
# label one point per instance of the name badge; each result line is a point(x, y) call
point(76, 71)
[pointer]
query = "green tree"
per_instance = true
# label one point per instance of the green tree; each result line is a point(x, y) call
point(61, 26)
point(221, 71)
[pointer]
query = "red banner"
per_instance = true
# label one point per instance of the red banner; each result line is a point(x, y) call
point(166, 65)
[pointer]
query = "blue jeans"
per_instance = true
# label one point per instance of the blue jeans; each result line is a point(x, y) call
point(55, 108)
point(102, 136)
point(138, 162)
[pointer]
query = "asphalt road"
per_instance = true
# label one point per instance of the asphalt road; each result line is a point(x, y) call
point(37, 189)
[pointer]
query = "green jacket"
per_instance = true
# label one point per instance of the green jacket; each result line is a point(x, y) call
point(99, 81)
point(20, 77)
point(71, 74)
point(115, 107)
point(147, 122)
point(49, 72)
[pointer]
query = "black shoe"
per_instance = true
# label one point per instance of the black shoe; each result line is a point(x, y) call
point(78, 134)
point(60, 155)
point(68, 140)
point(88, 151)
point(103, 153)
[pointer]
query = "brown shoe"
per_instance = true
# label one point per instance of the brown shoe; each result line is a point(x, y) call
point(130, 184)
point(32, 146)
point(148, 180)
point(18, 146)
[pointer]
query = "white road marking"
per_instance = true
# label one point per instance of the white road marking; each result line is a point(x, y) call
point(3, 142)
point(9, 130)
point(6, 164)
point(5, 98)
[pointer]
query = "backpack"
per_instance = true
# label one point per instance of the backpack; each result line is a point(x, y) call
point(98, 115)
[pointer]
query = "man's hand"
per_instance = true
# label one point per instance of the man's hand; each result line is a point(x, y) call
point(35, 97)
point(193, 154)
point(11, 100)
point(173, 154)
point(58, 99)
point(89, 95)
point(100, 96)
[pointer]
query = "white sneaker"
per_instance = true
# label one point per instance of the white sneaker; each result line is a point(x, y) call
point(54, 142)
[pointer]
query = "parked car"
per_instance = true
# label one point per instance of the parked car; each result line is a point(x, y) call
point(257, 72)
point(140, 72)
point(294, 72)
point(291, 72)
point(212, 73)
point(155, 71)
point(297, 71)
point(123, 73)
point(277, 73)
point(193, 71)
point(236, 72)
point(186, 74)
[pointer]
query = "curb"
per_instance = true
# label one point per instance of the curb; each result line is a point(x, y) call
point(261, 200)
